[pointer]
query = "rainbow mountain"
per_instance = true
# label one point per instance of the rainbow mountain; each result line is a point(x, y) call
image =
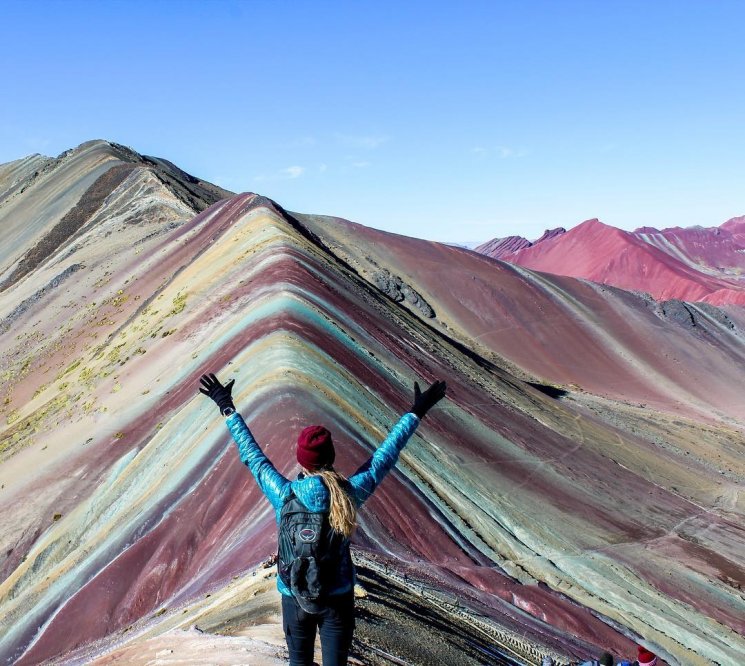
point(579, 489)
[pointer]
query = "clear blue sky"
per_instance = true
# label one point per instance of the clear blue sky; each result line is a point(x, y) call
point(455, 121)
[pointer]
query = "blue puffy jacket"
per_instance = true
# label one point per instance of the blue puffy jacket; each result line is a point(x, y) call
point(310, 490)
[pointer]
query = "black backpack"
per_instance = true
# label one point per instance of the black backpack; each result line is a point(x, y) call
point(311, 554)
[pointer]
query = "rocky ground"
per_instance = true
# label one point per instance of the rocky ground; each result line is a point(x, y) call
point(394, 625)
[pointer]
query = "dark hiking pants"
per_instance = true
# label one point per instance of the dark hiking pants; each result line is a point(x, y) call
point(336, 626)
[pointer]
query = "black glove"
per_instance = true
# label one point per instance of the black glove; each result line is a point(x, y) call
point(213, 389)
point(423, 402)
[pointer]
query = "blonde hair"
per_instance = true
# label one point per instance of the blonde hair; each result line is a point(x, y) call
point(343, 512)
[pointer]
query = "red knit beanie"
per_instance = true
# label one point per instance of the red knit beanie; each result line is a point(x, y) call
point(645, 657)
point(315, 448)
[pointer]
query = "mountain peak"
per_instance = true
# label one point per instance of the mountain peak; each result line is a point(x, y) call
point(593, 223)
point(735, 224)
point(549, 234)
point(498, 248)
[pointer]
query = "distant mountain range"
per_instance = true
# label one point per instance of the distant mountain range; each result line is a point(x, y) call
point(693, 264)
point(579, 489)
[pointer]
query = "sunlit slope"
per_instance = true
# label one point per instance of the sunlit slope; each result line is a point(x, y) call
point(127, 494)
point(122, 494)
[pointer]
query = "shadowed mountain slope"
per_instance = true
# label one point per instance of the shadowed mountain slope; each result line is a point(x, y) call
point(676, 356)
point(561, 513)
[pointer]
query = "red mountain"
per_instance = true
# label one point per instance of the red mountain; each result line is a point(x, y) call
point(693, 264)
point(501, 247)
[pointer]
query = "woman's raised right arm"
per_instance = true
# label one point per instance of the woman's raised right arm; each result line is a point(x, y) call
point(275, 486)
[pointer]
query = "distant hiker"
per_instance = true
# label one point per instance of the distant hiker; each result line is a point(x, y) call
point(645, 657)
point(316, 515)
point(606, 659)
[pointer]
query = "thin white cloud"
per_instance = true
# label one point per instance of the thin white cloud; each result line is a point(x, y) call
point(293, 172)
point(505, 152)
point(361, 165)
point(289, 173)
point(322, 167)
point(502, 152)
